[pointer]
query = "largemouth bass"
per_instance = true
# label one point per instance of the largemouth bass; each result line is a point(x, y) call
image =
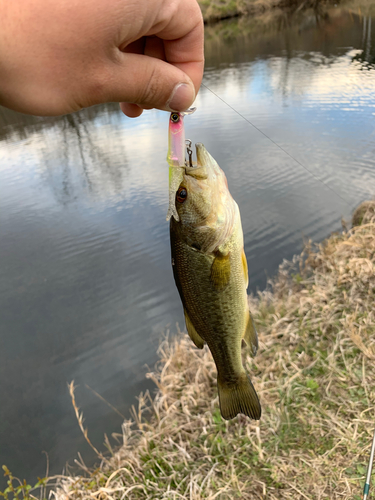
point(210, 270)
point(176, 156)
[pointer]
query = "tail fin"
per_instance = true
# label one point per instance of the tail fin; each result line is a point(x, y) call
point(238, 398)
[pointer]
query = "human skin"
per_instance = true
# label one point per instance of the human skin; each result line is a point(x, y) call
point(58, 56)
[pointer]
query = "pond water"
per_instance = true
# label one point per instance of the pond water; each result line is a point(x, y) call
point(86, 287)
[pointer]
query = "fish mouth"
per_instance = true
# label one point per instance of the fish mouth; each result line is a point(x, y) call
point(202, 155)
point(199, 169)
point(205, 160)
point(205, 166)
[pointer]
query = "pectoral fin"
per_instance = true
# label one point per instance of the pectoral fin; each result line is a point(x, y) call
point(195, 337)
point(250, 335)
point(220, 272)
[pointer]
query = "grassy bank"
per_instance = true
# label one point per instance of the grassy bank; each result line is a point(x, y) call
point(314, 374)
point(214, 10)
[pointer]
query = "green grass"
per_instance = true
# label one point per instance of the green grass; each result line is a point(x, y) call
point(215, 10)
point(314, 374)
point(21, 490)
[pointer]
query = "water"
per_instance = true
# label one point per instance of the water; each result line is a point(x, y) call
point(86, 287)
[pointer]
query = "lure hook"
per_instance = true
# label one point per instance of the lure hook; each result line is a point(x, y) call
point(188, 144)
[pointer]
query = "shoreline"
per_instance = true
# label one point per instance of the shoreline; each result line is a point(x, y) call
point(214, 11)
point(219, 10)
point(313, 374)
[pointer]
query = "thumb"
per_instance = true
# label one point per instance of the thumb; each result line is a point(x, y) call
point(148, 82)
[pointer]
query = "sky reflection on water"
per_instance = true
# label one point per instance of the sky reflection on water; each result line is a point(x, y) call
point(85, 281)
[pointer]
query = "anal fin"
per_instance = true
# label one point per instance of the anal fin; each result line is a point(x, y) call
point(195, 337)
point(250, 335)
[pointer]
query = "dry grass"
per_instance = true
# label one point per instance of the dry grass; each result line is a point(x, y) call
point(215, 10)
point(314, 374)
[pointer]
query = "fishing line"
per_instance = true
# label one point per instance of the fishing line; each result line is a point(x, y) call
point(280, 147)
point(370, 464)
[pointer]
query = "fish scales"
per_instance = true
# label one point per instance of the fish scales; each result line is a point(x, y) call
point(216, 314)
point(210, 271)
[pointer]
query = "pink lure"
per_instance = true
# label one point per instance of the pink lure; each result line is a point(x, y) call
point(176, 156)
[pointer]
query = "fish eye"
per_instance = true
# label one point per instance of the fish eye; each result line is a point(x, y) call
point(175, 117)
point(181, 195)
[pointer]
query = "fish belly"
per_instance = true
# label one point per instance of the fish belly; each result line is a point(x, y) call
point(218, 316)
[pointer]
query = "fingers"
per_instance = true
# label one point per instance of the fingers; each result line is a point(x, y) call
point(146, 81)
point(178, 40)
point(186, 51)
point(67, 55)
point(131, 110)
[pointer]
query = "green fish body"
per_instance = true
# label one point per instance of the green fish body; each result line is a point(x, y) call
point(210, 271)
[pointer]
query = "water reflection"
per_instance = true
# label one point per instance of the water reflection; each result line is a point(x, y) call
point(85, 279)
point(365, 55)
point(75, 154)
point(88, 160)
point(75, 237)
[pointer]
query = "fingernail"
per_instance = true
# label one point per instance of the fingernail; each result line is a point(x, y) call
point(182, 97)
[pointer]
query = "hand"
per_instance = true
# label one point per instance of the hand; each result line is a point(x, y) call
point(58, 56)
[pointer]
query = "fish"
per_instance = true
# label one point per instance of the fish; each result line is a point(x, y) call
point(176, 156)
point(211, 274)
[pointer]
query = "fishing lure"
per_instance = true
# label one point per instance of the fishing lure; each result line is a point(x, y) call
point(176, 156)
